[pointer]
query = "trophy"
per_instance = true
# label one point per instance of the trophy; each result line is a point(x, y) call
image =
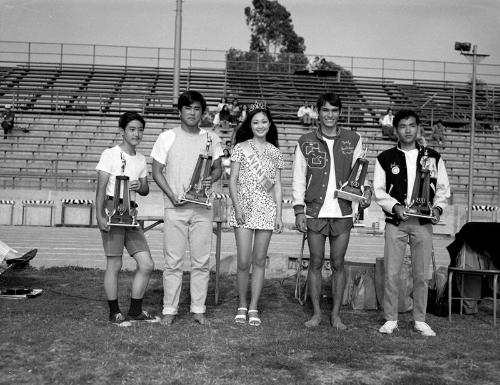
point(419, 205)
point(352, 190)
point(196, 192)
point(122, 214)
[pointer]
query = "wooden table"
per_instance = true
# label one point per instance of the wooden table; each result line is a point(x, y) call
point(157, 220)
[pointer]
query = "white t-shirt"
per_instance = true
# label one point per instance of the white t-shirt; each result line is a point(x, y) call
point(179, 151)
point(111, 162)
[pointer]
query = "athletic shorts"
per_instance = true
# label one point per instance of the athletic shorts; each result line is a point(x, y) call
point(330, 227)
point(132, 238)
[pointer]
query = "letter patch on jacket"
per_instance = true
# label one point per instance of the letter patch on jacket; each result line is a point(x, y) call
point(315, 157)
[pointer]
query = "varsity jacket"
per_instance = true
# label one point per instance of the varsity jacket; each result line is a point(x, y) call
point(311, 169)
point(391, 180)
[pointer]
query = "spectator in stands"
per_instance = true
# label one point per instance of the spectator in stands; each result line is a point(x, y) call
point(124, 159)
point(235, 110)
point(387, 127)
point(243, 114)
point(224, 118)
point(314, 116)
point(8, 117)
point(222, 103)
point(323, 160)
point(394, 178)
point(226, 164)
point(304, 114)
point(438, 133)
point(177, 151)
point(421, 137)
point(313, 65)
point(12, 258)
point(255, 189)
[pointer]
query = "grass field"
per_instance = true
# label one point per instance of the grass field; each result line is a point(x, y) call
point(63, 337)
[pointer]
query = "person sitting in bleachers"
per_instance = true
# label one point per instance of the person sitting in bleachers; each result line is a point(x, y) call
point(235, 110)
point(387, 127)
point(438, 132)
point(8, 117)
point(304, 114)
point(224, 118)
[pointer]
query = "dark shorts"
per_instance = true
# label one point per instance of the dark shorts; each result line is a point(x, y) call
point(132, 238)
point(330, 227)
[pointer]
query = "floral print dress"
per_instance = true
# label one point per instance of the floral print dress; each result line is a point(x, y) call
point(257, 204)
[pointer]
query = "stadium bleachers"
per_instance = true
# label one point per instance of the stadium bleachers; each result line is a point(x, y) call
point(71, 113)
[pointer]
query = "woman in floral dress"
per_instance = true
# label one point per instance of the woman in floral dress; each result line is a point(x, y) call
point(255, 189)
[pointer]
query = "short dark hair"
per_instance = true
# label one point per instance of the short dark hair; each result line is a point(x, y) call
point(189, 97)
point(329, 97)
point(245, 130)
point(129, 116)
point(405, 114)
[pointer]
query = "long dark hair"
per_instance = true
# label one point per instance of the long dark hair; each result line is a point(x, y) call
point(245, 131)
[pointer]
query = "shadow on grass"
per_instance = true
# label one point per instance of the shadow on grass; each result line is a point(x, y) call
point(64, 337)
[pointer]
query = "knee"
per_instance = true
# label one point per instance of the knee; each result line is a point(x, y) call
point(147, 266)
point(337, 265)
point(315, 263)
point(244, 266)
point(260, 262)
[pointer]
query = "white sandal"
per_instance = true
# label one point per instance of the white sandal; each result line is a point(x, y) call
point(241, 318)
point(254, 320)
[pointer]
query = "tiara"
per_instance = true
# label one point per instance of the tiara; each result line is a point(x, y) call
point(258, 105)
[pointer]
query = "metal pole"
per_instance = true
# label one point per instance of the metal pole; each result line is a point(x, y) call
point(177, 51)
point(472, 131)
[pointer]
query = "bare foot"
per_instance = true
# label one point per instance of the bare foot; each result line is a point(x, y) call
point(167, 319)
point(200, 318)
point(337, 323)
point(314, 321)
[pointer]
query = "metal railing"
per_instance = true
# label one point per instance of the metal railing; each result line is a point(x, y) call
point(163, 57)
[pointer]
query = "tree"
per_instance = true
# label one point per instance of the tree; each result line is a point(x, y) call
point(272, 29)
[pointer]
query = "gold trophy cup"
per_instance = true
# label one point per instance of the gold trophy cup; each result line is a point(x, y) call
point(196, 192)
point(122, 214)
point(419, 205)
point(352, 190)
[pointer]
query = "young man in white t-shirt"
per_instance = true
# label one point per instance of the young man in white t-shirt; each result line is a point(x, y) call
point(175, 155)
point(124, 158)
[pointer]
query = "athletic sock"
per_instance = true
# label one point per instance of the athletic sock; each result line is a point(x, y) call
point(135, 306)
point(113, 306)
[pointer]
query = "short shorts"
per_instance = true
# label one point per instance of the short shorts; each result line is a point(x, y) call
point(132, 238)
point(329, 227)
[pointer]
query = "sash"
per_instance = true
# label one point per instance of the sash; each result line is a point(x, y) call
point(255, 166)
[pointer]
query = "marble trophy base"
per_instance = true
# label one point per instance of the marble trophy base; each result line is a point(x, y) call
point(200, 200)
point(413, 212)
point(354, 195)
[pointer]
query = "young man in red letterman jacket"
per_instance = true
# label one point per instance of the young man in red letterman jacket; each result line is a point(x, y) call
point(394, 180)
point(322, 163)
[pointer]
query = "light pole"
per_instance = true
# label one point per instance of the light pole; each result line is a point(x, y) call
point(177, 51)
point(473, 57)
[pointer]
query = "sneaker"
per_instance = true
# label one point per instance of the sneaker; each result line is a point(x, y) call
point(388, 327)
point(144, 316)
point(424, 329)
point(119, 320)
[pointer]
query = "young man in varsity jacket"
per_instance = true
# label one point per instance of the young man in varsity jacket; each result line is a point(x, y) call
point(393, 185)
point(322, 162)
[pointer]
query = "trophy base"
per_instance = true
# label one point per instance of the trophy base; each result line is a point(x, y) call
point(424, 216)
point(206, 203)
point(348, 196)
point(135, 225)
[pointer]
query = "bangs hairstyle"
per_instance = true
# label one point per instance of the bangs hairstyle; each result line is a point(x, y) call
point(245, 130)
point(189, 97)
point(405, 114)
point(331, 98)
point(129, 116)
